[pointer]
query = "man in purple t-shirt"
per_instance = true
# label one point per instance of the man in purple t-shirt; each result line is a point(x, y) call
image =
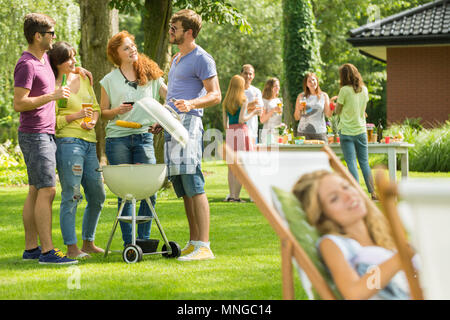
point(34, 98)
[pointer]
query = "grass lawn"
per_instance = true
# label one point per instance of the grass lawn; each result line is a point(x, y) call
point(247, 264)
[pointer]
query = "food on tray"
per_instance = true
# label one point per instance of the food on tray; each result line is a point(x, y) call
point(314, 142)
point(128, 124)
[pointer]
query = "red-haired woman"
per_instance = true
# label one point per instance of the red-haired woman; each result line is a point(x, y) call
point(135, 77)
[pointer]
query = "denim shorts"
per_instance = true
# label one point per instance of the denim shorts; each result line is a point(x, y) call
point(188, 184)
point(39, 153)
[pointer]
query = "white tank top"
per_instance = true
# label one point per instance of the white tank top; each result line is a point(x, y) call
point(314, 119)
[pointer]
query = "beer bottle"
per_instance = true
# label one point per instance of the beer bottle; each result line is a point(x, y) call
point(379, 131)
point(62, 103)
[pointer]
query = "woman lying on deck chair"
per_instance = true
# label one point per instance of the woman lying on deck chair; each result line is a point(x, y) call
point(356, 244)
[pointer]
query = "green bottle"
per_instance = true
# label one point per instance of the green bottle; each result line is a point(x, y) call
point(62, 103)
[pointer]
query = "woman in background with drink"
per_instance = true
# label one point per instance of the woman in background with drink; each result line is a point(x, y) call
point(76, 155)
point(234, 121)
point(273, 108)
point(136, 76)
point(311, 107)
point(351, 106)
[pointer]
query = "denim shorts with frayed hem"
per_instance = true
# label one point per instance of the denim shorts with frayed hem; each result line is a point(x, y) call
point(39, 153)
point(188, 184)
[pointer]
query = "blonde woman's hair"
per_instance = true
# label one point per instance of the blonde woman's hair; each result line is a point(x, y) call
point(235, 95)
point(307, 191)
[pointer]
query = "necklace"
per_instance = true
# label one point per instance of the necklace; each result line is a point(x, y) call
point(133, 84)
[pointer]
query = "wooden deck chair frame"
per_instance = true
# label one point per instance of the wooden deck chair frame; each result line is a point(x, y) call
point(388, 194)
point(290, 248)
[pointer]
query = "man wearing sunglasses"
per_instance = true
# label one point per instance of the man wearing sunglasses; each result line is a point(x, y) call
point(192, 86)
point(34, 98)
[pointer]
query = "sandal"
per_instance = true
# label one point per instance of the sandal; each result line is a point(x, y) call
point(238, 200)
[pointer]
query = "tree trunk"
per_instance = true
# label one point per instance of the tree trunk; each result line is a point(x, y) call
point(155, 23)
point(98, 24)
point(300, 51)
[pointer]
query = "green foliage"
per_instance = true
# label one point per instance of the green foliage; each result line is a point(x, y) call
point(66, 14)
point(414, 123)
point(12, 165)
point(130, 7)
point(301, 48)
point(219, 11)
point(431, 151)
point(230, 49)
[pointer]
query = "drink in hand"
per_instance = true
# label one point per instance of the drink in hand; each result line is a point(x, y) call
point(62, 103)
point(87, 105)
point(280, 105)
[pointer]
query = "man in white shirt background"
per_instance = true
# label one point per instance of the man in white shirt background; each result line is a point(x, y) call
point(254, 98)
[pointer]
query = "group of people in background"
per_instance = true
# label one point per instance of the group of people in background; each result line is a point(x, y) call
point(312, 107)
point(61, 136)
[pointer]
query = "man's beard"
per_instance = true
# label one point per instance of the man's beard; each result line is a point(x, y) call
point(177, 41)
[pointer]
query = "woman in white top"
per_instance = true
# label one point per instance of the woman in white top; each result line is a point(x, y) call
point(312, 123)
point(356, 238)
point(272, 111)
point(136, 76)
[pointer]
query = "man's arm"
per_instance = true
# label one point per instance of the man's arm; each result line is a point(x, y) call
point(22, 101)
point(213, 97)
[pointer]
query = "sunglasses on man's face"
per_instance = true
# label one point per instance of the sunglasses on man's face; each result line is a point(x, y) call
point(173, 28)
point(50, 32)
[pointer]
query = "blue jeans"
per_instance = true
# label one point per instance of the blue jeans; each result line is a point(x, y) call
point(133, 149)
point(356, 147)
point(76, 161)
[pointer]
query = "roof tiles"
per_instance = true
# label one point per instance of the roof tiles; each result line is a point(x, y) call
point(430, 19)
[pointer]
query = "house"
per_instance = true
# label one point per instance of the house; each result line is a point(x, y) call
point(415, 45)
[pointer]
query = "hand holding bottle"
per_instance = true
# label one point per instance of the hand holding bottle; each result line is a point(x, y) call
point(62, 93)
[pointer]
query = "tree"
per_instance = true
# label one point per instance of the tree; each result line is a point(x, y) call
point(301, 51)
point(99, 24)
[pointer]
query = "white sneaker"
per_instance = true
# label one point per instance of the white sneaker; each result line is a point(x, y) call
point(200, 253)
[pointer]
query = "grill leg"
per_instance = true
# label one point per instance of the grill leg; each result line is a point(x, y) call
point(133, 222)
point(155, 216)
point(119, 213)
